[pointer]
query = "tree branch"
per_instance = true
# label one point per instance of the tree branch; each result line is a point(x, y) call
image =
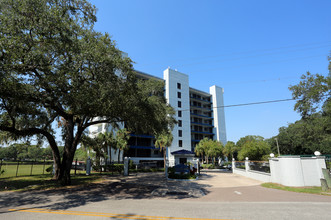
point(102, 121)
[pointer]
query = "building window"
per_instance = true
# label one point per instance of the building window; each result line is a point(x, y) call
point(180, 133)
point(179, 95)
point(179, 113)
point(180, 143)
point(179, 104)
point(179, 86)
point(179, 123)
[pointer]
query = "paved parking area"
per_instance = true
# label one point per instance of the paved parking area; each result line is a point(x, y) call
point(213, 195)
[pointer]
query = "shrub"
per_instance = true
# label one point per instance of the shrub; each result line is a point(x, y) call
point(182, 176)
point(171, 170)
point(208, 166)
point(116, 167)
point(131, 165)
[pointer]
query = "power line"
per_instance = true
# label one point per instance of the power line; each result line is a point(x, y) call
point(255, 103)
point(245, 104)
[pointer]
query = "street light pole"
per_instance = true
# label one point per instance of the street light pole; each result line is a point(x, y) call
point(277, 146)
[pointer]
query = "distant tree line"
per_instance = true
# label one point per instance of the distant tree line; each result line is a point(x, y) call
point(251, 146)
point(26, 151)
point(309, 134)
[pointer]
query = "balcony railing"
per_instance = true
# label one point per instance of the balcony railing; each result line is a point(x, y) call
point(200, 99)
point(201, 132)
point(199, 107)
point(197, 123)
point(205, 116)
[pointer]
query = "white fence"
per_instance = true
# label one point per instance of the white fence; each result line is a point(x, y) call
point(288, 170)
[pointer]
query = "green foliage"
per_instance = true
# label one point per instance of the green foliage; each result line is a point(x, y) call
point(246, 139)
point(42, 182)
point(305, 136)
point(254, 147)
point(313, 94)
point(229, 149)
point(313, 131)
point(116, 167)
point(80, 154)
point(312, 190)
point(122, 138)
point(209, 148)
point(208, 166)
point(47, 152)
point(131, 165)
point(163, 141)
point(54, 67)
point(182, 176)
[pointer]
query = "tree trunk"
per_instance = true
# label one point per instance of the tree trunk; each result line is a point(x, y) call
point(65, 169)
point(56, 155)
point(118, 156)
point(57, 166)
point(164, 159)
point(68, 153)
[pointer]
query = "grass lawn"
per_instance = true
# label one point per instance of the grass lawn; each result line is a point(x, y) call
point(23, 183)
point(25, 169)
point(312, 190)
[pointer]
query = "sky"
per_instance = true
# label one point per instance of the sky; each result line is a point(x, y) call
point(253, 49)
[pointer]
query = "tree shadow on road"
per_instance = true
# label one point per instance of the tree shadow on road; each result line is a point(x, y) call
point(132, 187)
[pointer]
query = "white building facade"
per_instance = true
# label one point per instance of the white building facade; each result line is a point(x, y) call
point(199, 114)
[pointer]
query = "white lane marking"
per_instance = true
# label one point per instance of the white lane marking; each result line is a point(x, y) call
point(236, 192)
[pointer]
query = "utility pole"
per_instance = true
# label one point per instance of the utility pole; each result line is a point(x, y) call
point(277, 146)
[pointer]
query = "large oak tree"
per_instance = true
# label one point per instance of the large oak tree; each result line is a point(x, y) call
point(55, 68)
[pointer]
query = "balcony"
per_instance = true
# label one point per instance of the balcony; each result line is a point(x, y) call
point(195, 140)
point(142, 147)
point(201, 132)
point(197, 123)
point(204, 116)
point(203, 100)
point(199, 107)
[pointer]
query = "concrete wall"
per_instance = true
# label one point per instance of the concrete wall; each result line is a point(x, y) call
point(218, 113)
point(289, 171)
point(172, 77)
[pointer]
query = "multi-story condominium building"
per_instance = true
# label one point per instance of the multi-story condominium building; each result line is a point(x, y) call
point(199, 115)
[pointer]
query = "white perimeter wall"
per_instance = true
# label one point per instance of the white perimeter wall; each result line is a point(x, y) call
point(289, 171)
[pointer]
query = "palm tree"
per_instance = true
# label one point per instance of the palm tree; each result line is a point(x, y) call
point(199, 151)
point(122, 137)
point(215, 149)
point(89, 143)
point(163, 141)
point(229, 149)
point(108, 142)
point(202, 148)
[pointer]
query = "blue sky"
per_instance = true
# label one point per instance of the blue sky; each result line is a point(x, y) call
point(253, 49)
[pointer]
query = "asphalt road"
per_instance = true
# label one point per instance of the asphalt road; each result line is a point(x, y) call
point(149, 196)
